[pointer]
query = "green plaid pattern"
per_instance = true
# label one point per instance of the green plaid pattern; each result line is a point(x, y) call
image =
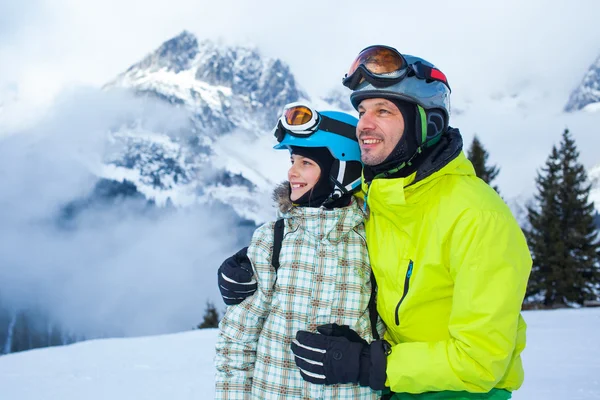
point(324, 277)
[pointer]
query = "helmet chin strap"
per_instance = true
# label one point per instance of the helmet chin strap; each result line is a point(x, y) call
point(339, 189)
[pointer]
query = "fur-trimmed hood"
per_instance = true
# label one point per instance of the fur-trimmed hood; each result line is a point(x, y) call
point(281, 197)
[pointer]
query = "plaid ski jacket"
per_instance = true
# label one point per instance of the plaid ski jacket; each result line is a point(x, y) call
point(324, 277)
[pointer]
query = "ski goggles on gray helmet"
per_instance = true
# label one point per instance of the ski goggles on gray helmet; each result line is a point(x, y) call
point(302, 120)
point(384, 66)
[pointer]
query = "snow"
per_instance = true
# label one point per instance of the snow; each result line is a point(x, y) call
point(253, 157)
point(182, 85)
point(594, 177)
point(181, 194)
point(562, 360)
point(177, 366)
point(592, 107)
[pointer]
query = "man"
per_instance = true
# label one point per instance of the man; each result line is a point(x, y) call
point(450, 261)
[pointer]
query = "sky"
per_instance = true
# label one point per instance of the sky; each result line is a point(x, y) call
point(49, 45)
point(180, 366)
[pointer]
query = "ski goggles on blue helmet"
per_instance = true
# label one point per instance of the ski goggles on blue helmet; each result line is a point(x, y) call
point(301, 120)
point(384, 66)
point(301, 125)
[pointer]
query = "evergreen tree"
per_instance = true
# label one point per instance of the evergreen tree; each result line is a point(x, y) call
point(563, 237)
point(544, 233)
point(211, 317)
point(478, 156)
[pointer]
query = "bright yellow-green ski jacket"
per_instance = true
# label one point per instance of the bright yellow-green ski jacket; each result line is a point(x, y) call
point(451, 264)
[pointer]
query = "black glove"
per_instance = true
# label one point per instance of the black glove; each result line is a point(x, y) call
point(337, 354)
point(235, 276)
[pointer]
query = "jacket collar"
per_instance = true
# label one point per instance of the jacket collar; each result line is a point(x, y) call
point(446, 158)
point(431, 160)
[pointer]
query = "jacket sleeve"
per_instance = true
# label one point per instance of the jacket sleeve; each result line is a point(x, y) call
point(240, 328)
point(489, 260)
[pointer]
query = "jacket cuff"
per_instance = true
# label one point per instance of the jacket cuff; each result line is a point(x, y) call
point(379, 352)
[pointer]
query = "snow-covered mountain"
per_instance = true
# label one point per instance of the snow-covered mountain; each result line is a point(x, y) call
point(224, 87)
point(232, 96)
point(587, 94)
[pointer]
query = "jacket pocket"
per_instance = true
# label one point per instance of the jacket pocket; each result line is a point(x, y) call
point(409, 271)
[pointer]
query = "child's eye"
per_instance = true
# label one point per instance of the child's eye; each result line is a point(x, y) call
point(307, 163)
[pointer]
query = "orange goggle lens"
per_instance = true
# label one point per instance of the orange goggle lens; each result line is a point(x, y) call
point(378, 60)
point(298, 115)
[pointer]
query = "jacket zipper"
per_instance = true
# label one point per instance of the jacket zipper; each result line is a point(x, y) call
point(366, 197)
point(406, 286)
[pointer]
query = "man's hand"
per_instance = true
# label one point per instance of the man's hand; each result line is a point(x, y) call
point(337, 354)
point(236, 279)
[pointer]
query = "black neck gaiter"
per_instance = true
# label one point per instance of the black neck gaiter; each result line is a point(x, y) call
point(324, 186)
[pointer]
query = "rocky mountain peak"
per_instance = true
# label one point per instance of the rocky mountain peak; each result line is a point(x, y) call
point(588, 92)
point(175, 54)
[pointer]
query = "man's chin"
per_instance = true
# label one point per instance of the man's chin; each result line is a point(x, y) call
point(370, 161)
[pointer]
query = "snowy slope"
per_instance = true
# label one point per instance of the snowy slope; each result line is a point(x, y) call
point(562, 360)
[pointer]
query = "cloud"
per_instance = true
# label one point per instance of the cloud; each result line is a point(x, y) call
point(113, 271)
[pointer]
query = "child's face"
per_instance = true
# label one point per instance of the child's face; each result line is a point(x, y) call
point(303, 175)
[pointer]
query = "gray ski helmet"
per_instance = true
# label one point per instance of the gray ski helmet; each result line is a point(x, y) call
point(431, 95)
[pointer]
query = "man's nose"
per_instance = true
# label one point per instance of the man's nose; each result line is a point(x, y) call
point(365, 123)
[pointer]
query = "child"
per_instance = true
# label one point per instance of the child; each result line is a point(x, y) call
point(324, 273)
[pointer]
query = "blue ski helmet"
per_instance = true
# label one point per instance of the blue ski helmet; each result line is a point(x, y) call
point(343, 146)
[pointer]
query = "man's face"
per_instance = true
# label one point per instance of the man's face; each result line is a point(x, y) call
point(379, 129)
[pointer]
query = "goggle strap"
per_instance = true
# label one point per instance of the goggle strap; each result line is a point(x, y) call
point(324, 124)
point(426, 72)
point(338, 127)
point(279, 131)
